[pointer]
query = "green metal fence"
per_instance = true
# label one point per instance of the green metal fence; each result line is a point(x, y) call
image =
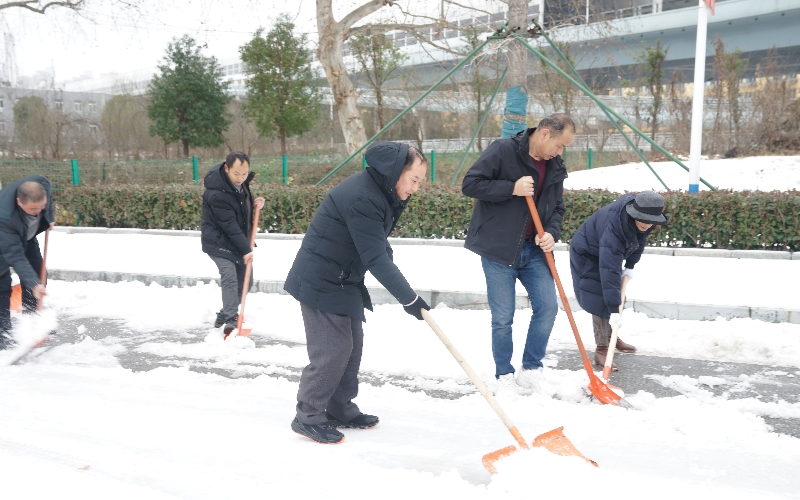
point(59, 172)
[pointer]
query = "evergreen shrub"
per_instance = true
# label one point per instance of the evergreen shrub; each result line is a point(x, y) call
point(718, 219)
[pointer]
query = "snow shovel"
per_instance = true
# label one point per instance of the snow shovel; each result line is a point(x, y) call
point(614, 332)
point(239, 331)
point(554, 441)
point(43, 279)
point(599, 389)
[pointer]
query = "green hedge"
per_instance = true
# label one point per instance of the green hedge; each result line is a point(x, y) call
point(721, 219)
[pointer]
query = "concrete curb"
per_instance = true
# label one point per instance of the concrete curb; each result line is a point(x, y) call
point(560, 247)
point(460, 300)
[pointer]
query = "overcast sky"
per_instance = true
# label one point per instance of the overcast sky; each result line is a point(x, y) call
point(105, 40)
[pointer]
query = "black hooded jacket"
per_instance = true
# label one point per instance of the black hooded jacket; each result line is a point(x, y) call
point(227, 216)
point(14, 230)
point(348, 237)
point(500, 219)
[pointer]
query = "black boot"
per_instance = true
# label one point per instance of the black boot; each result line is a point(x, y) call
point(360, 421)
point(6, 341)
point(220, 320)
point(322, 433)
point(230, 324)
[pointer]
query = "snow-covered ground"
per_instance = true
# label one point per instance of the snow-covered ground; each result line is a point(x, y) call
point(73, 420)
point(764, 173)
point(74, 423)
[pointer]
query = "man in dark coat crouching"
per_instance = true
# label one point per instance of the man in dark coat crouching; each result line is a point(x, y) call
point(348, 237)
point(26, 209)
point(614, 233)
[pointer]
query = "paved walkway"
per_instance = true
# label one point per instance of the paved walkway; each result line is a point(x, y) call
point(637, 372)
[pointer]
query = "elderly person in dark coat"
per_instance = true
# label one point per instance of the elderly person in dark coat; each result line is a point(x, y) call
point(227, 220)
point(26, 209)
point(348, 237)
point(615, 233)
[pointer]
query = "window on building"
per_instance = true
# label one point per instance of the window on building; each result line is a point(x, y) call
point(59, 105)
point(2, 126)
point(93, 129)
point(90, 107)
point(77, 106)
point(2, 104)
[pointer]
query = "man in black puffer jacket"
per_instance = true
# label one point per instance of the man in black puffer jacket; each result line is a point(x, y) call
point(614, 233)
point(501, 231)
point(348, 237)
point(26, 209)
point(227, 220)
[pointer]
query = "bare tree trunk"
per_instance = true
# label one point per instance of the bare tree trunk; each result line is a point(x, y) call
point(185, 147)
point(331, 41)
point(379, 99)
point(283, 139)
point(517, 56)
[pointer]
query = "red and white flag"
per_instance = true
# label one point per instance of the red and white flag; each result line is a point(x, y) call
point(710, 5)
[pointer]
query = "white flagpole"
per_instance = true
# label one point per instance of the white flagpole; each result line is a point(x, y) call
point(697, 100)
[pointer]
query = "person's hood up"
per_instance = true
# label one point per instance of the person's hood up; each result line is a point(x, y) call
point(388, 159)
point(217, 178)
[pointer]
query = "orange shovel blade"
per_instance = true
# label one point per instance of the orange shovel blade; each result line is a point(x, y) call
point(556, 442)
point(16, 299)
point(244, 332)
point(490, 458)
point(602, 392)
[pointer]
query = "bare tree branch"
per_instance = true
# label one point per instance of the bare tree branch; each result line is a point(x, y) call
point(362, 12)
point(36, 6)
point(451, 2)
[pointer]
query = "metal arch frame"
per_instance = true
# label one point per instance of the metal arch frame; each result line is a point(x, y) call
point(503, 33)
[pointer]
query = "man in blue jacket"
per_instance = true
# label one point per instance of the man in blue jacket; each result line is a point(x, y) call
point(348, 237)
point(501, 231)
point(227, 221)
point(615, 233)
point(26, 209)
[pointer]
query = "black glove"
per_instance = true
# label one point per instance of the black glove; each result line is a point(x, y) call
point(415, 308)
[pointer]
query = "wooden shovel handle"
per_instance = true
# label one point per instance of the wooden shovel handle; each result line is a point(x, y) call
point(537, 221)
point(475, 380)
point(43, 270)
point(614, 332)
point(248, 271)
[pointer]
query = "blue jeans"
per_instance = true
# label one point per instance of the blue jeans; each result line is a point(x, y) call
point(534, 274)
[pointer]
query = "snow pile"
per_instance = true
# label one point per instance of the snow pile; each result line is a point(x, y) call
point(763, 173)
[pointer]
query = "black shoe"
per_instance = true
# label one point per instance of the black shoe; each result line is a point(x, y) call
point(360, 421)
point(230, 324)
point(220, 320)
point(6, 342)
point(322, 433)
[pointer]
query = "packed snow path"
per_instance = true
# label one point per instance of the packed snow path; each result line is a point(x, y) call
point(151, 402)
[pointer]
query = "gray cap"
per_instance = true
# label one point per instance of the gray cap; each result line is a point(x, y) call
point(647, 207)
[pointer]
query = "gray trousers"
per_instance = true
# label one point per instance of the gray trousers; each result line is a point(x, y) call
point(602, 331)
point(231, 277)
point(330, 381)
